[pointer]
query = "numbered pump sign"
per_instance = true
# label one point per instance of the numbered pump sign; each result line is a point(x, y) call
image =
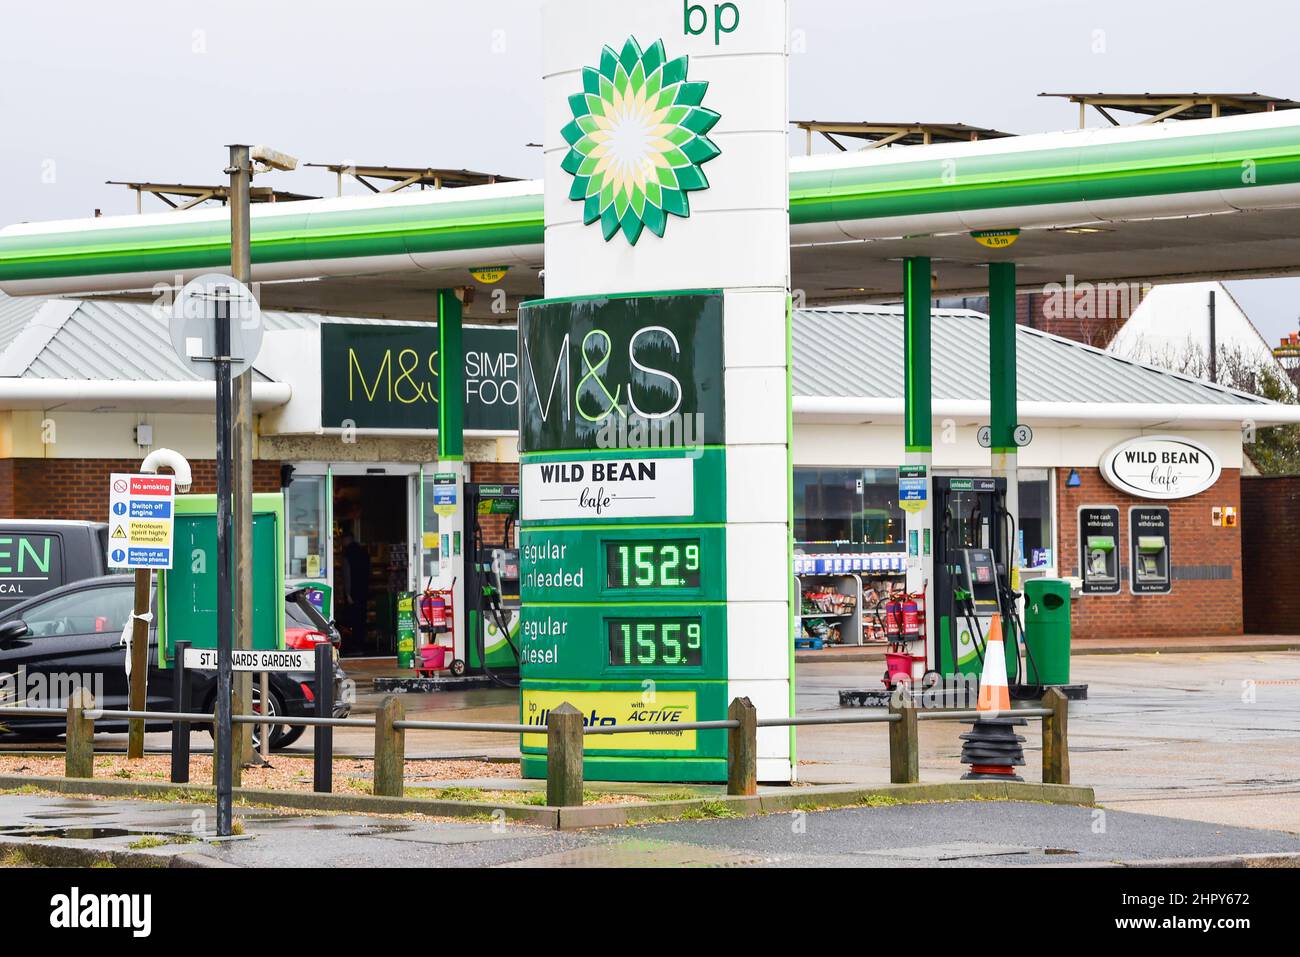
point(140, 520)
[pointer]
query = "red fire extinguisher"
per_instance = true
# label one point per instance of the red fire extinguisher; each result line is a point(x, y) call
point(433, 611)
point(434, 607)
point(911, 619)
point(893, 620)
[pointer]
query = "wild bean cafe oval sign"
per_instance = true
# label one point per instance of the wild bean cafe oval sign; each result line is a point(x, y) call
point(1160, 466)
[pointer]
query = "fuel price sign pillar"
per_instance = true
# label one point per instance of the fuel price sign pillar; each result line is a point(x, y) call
point(655, 411)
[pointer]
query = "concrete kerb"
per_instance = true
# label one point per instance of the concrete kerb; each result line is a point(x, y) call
point(47, 854)
point(595, 815)
point(1262, 860)
point(296, 800)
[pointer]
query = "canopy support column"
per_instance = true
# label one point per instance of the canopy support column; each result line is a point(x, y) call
point(1002, 392)
point(918, 453)
point(450, 547)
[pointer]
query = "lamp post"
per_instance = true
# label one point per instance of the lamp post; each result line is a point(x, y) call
point(244, 161)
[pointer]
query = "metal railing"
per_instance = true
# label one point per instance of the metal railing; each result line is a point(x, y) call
point(565, 733)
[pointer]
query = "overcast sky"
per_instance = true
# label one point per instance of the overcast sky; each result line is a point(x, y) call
point(150, 90)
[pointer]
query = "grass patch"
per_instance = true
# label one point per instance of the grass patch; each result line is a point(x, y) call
point(15, 858)
point(160, 840)
point(25, 789)
point(709, 810)
point(682, 794)
point(237, 826)
point(879, 800)
point(449, 794)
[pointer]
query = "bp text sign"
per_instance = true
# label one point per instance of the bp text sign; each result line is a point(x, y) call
point(140, 520)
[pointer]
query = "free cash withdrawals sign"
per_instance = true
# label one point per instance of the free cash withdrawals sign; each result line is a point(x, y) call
point(140, 520)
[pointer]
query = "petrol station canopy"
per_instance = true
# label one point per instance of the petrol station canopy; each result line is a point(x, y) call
point(1205, 198)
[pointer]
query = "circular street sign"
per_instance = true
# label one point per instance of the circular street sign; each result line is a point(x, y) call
point(193, 324)
point(1022, 435)
point(984, 436)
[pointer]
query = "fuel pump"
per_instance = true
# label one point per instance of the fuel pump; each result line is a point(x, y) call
point(974, 542)
point(492, 581)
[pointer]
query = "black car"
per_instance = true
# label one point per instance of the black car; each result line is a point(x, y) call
point(77, 630)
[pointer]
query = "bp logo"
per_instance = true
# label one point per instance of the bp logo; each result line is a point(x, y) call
point(637, 140)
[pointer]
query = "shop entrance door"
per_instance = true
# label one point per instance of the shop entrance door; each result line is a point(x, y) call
point(372, 549)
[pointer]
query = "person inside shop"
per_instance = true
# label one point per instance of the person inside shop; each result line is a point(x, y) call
point(356, 594)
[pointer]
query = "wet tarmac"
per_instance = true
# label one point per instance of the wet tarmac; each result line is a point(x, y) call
point(1208, 737)
point(961, 834)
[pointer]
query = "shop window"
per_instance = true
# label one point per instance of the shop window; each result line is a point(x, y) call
point(305, 505)
point(847, 509)
point(1036, 517)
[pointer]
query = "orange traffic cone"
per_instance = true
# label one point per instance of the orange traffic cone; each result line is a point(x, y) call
point(991, 747)
point(994, 695)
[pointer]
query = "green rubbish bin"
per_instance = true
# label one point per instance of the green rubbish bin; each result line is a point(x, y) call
point(1047, 631)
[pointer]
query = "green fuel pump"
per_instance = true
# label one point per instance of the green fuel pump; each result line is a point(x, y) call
point(973, 537)
point(492, 582)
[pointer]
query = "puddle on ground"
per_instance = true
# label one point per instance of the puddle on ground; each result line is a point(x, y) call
point(73, 833)
point(371, 829)
point(306, 823)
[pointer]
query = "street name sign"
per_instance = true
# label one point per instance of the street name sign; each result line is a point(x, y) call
point(205, 659)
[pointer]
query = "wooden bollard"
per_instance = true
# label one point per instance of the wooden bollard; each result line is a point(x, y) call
point(564, 756)
point(79, 758)
point(742, 748)
point(1056, 747)
point(904, 751)
point(390, 749)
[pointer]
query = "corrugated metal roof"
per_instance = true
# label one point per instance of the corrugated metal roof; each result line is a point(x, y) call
point(15, 313)
point(125, 341)
point(858, 353)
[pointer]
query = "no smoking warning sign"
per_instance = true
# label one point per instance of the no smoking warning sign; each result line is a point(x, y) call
point(140, 516)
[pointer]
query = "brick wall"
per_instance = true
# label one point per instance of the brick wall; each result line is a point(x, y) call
point(7, 488)
point(1194, 607)
point(507, 473)
point(77, 489)
point(1089, 316)
point(1270, 544)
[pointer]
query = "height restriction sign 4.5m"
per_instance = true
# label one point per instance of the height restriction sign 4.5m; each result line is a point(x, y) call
point(140, 519)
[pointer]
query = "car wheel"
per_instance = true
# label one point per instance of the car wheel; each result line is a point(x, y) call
point(281, 735)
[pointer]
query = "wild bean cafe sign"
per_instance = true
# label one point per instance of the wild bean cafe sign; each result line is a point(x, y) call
point(1160, 467)
point(628, 488)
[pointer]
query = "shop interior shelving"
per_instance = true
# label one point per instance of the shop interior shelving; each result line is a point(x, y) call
point(849, 575)
point(850, 623)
